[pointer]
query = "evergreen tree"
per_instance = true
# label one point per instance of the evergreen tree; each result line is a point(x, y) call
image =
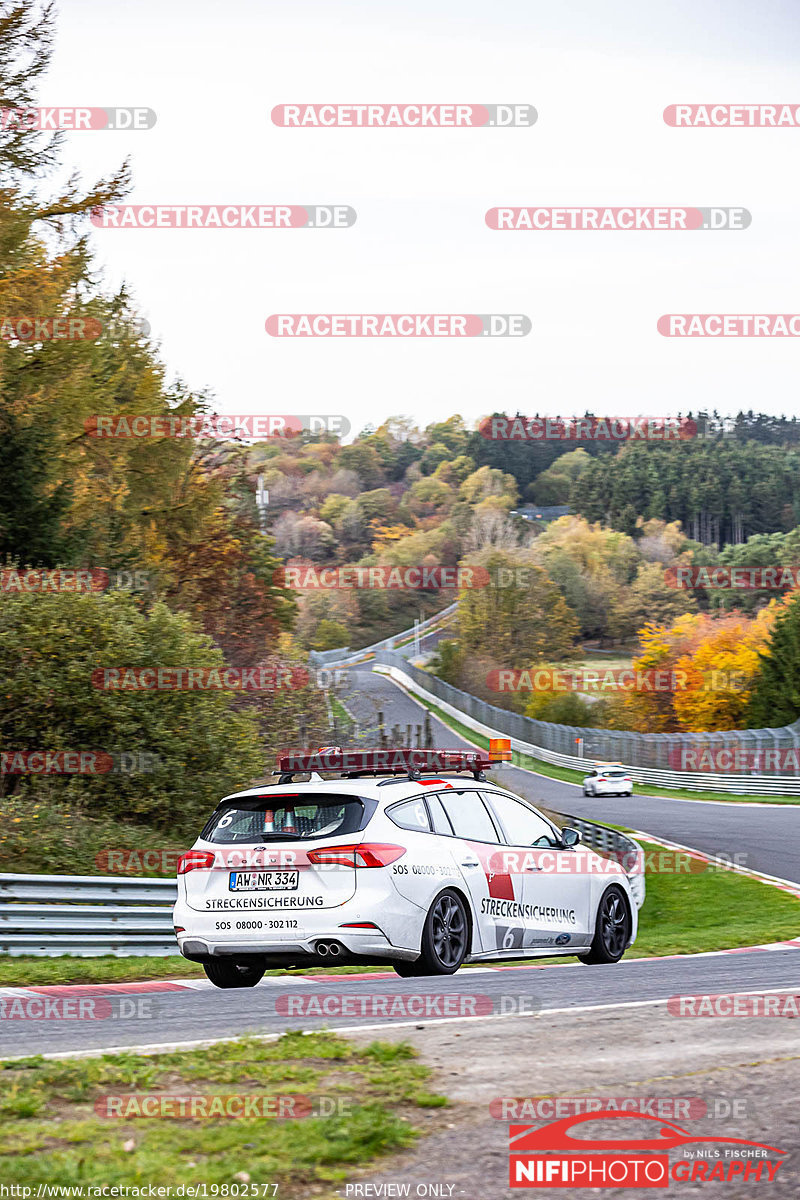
point(775, 700)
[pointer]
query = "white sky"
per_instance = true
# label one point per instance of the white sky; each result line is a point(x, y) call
point(599, 76)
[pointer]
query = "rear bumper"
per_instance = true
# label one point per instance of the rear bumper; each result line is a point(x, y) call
point(296, 933)
point(356, 946)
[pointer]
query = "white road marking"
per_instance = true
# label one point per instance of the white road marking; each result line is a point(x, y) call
point(203, 1043)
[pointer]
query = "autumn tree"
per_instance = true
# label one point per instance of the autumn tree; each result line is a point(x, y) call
point(714, 664)
point(521, 618)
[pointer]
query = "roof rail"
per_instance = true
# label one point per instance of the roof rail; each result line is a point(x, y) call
point(351, 764)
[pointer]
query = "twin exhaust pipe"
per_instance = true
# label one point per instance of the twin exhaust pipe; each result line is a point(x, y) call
point(329, 948)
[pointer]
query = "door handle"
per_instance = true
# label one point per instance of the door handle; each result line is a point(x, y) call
point(470, 862)
point(532, 867)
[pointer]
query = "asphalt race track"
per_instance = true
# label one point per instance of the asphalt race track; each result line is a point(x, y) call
point(180, 1012)
point(195, 1010)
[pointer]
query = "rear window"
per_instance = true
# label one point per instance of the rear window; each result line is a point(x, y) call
point(285, 819)
point(614, 774)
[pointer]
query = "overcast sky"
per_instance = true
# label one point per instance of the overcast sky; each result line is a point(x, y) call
point(599, 77)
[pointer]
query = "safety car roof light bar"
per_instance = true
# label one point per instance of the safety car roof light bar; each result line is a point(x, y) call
point(395, 761)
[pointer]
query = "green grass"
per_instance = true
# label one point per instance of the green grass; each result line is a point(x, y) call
point(713, 909)
point(51, 1132)
point(568, 775)
point(27, 969)
point(41, 836)
point(343, 718)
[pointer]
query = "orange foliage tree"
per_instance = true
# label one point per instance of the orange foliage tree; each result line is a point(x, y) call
point(715, 661)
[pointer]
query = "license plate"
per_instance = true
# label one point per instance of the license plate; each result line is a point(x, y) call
point(263, 881)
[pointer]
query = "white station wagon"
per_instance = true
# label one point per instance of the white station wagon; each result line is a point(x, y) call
point(395, 857)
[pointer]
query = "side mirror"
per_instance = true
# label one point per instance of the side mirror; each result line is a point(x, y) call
point(569, 838)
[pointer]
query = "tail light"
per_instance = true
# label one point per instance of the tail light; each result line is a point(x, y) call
point(195, 860)
point(365, 854)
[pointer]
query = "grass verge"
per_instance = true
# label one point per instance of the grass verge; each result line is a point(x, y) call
point(363, 1104)
point(692, 906)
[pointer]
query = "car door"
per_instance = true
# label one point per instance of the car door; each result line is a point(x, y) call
point(556, 886)
point(474, 847)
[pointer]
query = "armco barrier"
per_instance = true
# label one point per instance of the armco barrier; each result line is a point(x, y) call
point(89, 915)
point(645, 756)
point(345, 657)
point(86, 915)
point(608, 841)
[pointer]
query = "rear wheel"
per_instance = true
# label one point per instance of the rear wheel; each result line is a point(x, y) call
point(612, 929)
point(445, 938)
point(233, 974)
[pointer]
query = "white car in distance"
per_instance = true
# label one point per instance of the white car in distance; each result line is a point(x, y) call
point(610, 780)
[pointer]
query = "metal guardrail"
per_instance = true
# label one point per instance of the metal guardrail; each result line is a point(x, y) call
point(344, 656)
point(86, 915)
point(610, 842)
point(645, 756)
point(90, 915)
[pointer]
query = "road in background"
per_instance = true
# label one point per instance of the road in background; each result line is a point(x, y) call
point(765, 834)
